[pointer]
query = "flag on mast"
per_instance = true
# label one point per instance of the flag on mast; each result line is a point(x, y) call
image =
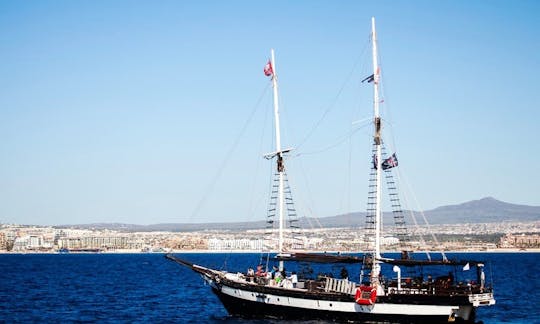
point(268, 70)
point(391, 162)
point(388, 163)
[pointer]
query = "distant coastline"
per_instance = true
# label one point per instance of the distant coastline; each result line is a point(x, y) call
point(203, 251)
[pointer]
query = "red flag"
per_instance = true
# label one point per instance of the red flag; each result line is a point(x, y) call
point(268, 71)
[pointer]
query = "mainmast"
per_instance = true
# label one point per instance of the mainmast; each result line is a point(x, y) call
point(378, 160)
point(279, 155)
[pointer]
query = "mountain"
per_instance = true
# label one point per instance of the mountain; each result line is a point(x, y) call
point(485, 210)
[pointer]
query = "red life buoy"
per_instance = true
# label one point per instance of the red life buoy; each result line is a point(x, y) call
point(366, 295)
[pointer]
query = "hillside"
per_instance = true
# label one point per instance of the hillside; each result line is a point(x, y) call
point(485, 210)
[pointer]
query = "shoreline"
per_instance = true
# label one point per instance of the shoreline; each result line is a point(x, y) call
point(509, 250)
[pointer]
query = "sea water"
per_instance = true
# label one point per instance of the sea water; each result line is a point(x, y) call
point(107, 288)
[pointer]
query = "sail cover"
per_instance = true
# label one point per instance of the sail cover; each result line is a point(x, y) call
point(320, 258)
point(412, 263)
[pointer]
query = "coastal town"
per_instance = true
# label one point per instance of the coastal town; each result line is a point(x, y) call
point(503, 236)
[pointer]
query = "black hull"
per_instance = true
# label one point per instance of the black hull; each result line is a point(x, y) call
point(394, 308)
point(249, 309)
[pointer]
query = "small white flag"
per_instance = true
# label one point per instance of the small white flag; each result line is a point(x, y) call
point(466, 267)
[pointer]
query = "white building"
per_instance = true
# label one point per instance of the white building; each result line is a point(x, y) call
point(31, 243)
point(235, 244)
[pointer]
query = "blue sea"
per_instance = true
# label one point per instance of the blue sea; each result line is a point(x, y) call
point(128, 288)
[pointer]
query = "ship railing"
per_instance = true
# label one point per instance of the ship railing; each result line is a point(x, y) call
point(431, 289)
point(485, 299)
point(408, 291)
point(339, 285)
point(460, 289)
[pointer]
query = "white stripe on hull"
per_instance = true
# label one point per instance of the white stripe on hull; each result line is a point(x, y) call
point(463, 312)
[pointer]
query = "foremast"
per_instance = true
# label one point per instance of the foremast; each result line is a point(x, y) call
point(279, 157)
point(376, 267)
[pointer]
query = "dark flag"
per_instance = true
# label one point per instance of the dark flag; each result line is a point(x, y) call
point(369, 79)
point(391, 162)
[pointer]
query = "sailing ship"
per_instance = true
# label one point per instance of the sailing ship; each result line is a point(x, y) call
point(377, 296)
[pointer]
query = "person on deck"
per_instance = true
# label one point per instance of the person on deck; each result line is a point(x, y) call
point(273, 271)
point(278, 278)
point(344, 274)
point(450, 278)
point(294, 279)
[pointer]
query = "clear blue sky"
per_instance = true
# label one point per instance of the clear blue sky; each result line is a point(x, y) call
point(129, 111)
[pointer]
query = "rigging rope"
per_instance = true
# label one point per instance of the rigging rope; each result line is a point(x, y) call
point(338, 142)
point(423, 217)
point(309, 197)
point(253, 203)
point(228, 156)
point(332, 105)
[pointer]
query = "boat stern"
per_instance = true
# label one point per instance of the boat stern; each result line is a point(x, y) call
point(484, 299)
